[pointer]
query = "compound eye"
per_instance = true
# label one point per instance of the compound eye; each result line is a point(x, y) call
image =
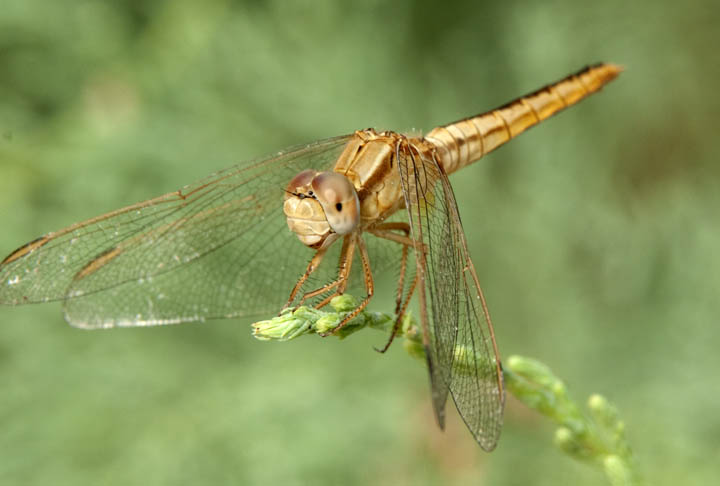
point(300, 183)
point(339, 200)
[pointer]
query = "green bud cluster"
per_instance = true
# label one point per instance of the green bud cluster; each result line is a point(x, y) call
point(293, 323)
point(598, 438)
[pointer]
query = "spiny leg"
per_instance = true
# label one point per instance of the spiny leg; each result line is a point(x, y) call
point(389, 235)
point(346, 256)
point(320, 291)
point(411, 290)
point(312, 266)
point(345, 265)
point(401, 280)
point(384, 231)
point(398, 319)
point(369, 286)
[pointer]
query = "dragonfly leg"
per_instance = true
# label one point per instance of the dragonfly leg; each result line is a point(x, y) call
point(369, 285)
point(382, 232)
point(345, 264)
point(401, 281)
point(385, 231)
point(398, 319)
point(312, 266)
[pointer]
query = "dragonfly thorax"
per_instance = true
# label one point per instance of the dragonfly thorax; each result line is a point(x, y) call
point(320, 207)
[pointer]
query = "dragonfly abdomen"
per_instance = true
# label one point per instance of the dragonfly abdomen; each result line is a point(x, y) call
point(465, 141)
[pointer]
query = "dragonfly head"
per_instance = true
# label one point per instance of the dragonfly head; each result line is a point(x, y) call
point(320, 207)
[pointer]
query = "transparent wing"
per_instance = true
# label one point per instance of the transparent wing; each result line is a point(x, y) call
point(460, 344)
point(216, 248)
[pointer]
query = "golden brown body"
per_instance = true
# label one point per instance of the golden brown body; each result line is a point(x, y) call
point(463, 142)
point(370, 158)
point(217, 248)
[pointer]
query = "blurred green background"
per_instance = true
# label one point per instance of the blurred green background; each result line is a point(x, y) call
point(595, 235)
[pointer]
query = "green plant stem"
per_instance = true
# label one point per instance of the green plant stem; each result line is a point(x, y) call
point(596, 438)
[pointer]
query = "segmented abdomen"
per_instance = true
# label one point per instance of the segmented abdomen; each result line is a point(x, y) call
point(465, 141)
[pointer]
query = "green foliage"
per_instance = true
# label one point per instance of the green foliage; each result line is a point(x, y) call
point(293, 323)
point(597, 438)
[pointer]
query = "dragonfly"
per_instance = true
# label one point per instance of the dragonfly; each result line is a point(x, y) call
point(360, 204)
